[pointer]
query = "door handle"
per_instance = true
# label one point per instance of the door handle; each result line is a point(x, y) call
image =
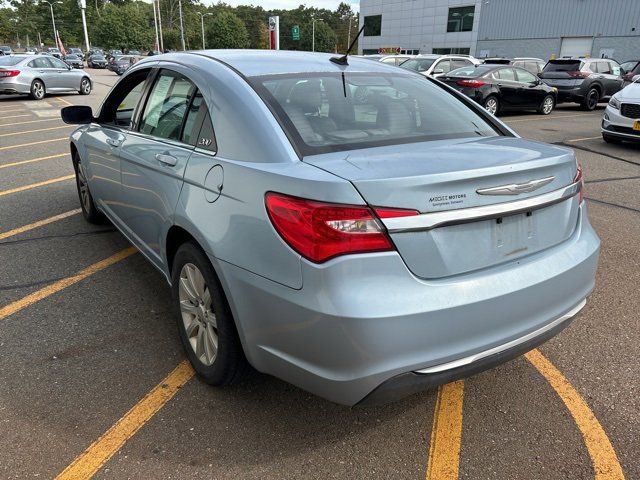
point(114, 142)
point(166, 159)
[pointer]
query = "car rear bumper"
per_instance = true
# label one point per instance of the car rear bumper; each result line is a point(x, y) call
point(364, 329)
point(14, 85)
point(617, 125)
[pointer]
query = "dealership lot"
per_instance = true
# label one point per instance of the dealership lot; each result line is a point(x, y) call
point(89, 352)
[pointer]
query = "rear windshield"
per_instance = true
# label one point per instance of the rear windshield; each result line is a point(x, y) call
point(418, 64)
point(562, 66)
point(6, 61)
point(321, 114)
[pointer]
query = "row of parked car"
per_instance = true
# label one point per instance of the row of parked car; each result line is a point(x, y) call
point(501, 84)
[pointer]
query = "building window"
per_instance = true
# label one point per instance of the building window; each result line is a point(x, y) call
point(373, 26)
point(451, 51)
point(460, 19)
point(370, 51)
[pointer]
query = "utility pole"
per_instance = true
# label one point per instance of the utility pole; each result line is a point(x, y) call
point(349, 34)
point(313, 31)
point(160, 27)
point(39, 41)
point(53, 21)
point(202, 25)
point(181, 25)
point(155, 24)
point(83, 5)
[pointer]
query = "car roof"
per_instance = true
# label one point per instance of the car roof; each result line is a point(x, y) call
point(269, 62)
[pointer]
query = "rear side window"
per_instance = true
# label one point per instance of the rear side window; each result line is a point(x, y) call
point(40, 63)
point(444, 65)
point(604, 67)
point(563, 66)
point(506, 74)
point(323, 114)
point(167, 106)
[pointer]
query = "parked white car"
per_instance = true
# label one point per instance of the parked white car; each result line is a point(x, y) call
point(394, 59)
point(621, 120)
point(438, 65)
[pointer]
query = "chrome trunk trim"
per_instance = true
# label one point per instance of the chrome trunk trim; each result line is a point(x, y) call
point(428, 221)
point(505, 346)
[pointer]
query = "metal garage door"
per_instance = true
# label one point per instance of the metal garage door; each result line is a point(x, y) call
point(576, 46)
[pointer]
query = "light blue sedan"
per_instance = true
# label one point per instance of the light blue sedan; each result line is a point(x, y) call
point(358, 230)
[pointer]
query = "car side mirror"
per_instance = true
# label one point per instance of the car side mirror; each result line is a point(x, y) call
point(438, 71)
point(77, 115)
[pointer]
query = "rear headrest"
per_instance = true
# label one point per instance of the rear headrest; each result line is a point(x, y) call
point(394, 117)
point(307, 96)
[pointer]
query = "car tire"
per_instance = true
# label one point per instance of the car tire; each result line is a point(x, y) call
point(85, 86)
point(207, 330)
point(591, 100)
point(491, 104)
point(547, 105)
point(38, 90)
point(611, 139)
point(89, 211)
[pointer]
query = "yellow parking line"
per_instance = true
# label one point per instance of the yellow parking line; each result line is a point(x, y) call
point(30, 121)
point(603, 456)
point(99, 452)
point(34, 131)
point(34, 185)
point(39, 223)
point(22, 162)
point(446, 433)
point(55, 287)
point(64, 100)
point(11, 110)
point(16, 116)
point(33, 143)
point(582, 139)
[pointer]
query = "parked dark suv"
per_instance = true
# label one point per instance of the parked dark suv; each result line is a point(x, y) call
point(534, 65)
point(586, 81)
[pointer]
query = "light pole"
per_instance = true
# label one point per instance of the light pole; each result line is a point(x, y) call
point(313, 31)
point(53, 21)
point(181, 26)
point(202, 15)
point(83, 5)
point(155, 24)
point(160, 27)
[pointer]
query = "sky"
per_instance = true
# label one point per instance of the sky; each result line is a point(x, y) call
point(289, 4)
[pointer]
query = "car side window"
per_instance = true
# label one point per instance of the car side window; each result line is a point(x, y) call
point(41, 62)
point(445, 65)
point(525, 77)
point(193, 120)
point(604, 67)
point(507, 74)
point(167, 106)
point(120, 106)
point(57, 63)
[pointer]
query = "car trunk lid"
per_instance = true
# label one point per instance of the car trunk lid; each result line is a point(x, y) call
point(446, 177)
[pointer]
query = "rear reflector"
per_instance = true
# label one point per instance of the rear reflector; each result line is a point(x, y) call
point(579, 178)
point(9, 73)
point(470, 83)
point(320, 231)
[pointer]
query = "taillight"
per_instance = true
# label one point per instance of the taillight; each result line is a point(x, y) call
point(579, 178)
point(9, 73)
point(320, 231)
point(578, 74)
point(470, 83)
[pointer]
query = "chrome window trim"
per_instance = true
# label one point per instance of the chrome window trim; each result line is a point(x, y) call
point(431, 220)
point(505, 346)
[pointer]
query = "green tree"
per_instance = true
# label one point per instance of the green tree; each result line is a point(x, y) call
point(325, 38)
point(124, 26)
point(227, 30)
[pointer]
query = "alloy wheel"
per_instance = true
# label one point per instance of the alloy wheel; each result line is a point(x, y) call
point(85, 86)
point(592, 99)
point(198, 317)
point(547, 105)
point(38, 90)
point(491, 106)
point(83, 187)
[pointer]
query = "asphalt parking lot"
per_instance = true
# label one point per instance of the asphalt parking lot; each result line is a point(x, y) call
point(93, 380)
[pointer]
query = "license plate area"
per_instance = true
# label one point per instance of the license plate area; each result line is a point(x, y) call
point(636, 125)
point(513, 234)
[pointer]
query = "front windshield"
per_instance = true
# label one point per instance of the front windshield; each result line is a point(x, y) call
point(322, 114)
point(418, 64)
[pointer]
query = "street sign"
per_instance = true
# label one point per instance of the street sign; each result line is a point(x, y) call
point(295, 32)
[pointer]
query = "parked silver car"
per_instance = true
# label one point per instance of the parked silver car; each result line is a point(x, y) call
point(38, 75)
point(360, 250)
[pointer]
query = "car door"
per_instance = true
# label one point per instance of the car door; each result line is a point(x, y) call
point(104, 138)
point(529, 94)
point(153, 161)
point(509, 87)
point(613, 74)
point(63, 78)
point(44, 70)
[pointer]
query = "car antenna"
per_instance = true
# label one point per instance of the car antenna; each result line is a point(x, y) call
point(343, 59)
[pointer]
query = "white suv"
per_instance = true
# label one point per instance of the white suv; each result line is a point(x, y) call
point(438, 65)
point(621, 120)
